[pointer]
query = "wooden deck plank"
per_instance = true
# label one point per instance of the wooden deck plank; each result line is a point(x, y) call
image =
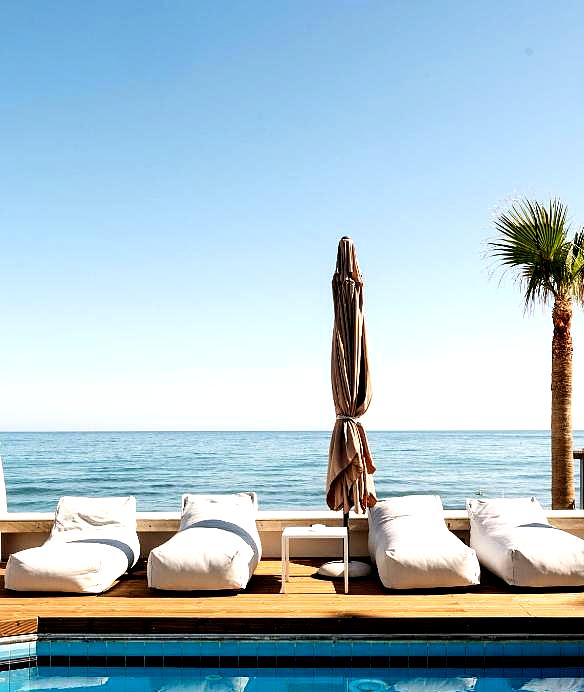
point(11, 627)
point(312, 604)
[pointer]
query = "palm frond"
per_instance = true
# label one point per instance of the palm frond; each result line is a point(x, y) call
point(578, 266)
point(532, 244)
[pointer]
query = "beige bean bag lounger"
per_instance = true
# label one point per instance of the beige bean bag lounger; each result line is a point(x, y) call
point(413, 548)
point(92, 543)
point(514, 539)
point(217, 545)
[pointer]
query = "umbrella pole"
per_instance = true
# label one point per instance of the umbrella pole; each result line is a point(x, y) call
point(357, 568)
point(346, 525)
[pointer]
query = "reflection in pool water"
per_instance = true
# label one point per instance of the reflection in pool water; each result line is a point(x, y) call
point(288, 680)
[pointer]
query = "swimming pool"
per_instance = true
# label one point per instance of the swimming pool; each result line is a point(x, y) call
point(171, 664)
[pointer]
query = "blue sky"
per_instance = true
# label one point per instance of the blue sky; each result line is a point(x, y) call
point(175, 177)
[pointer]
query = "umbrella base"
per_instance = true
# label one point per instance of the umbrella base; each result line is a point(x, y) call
point(336, 569)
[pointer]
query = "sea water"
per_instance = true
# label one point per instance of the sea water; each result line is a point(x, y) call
point(286, 469)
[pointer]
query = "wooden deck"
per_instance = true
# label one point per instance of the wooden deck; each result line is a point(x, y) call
point(311, 606)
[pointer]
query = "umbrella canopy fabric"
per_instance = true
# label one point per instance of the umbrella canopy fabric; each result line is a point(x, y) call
point(349, 479)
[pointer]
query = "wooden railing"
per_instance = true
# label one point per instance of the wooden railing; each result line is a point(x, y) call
point(26, 529)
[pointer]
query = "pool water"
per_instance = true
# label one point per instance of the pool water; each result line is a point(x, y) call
point(120, 679)
point(110, 663)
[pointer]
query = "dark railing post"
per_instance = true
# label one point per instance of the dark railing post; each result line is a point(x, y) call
point(346, 525)
point(579, 454)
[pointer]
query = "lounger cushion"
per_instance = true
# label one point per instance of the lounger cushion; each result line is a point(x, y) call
point(92, 543)
point(217, 546)
point(412, 547)
point(513, 539)
point(94, 514)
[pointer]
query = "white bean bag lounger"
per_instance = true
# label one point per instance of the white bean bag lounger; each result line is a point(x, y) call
point(92, 543)
point(217, 545)
point(513, 539)
point(413, 548)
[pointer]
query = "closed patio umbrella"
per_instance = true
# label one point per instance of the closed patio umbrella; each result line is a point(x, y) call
point(349, 482)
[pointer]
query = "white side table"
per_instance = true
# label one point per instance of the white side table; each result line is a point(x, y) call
point(313, 532)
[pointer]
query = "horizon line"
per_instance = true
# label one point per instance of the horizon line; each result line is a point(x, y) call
point(269, 430)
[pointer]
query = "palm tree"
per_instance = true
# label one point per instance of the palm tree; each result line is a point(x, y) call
point(533, 243)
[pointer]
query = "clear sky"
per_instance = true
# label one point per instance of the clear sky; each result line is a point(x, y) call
point(175, 176)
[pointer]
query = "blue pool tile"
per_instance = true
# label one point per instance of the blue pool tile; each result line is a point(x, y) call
point(266, 648)
point(172, 648)
point(19, 650)
point(549, 649)
point(77, 647)
point(437, 649)
point(455, 648)
point(59, 648)
point(512, 649)
point(8, 652)
point(569, 649)
point(43, 648)
point(304, 648)
point(418, 649)
point(229, 648)
point(95, 647)
point(493, 648)
point(152, 648)
point(191, 648)
point(210, 648)
point(287, 648)
point(343, 648)
point(324, 648)
point(399, 648)
point(134, 647)
point(373, 648)
point(379, 649)
point(531, 648)
point(475, 648)
point(117, 647)
point(28, 648)
point(361, 648)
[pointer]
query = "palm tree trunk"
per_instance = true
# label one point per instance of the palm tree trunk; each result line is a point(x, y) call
point(563, 496)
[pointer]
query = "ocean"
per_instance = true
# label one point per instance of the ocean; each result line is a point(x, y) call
point(286, 469)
